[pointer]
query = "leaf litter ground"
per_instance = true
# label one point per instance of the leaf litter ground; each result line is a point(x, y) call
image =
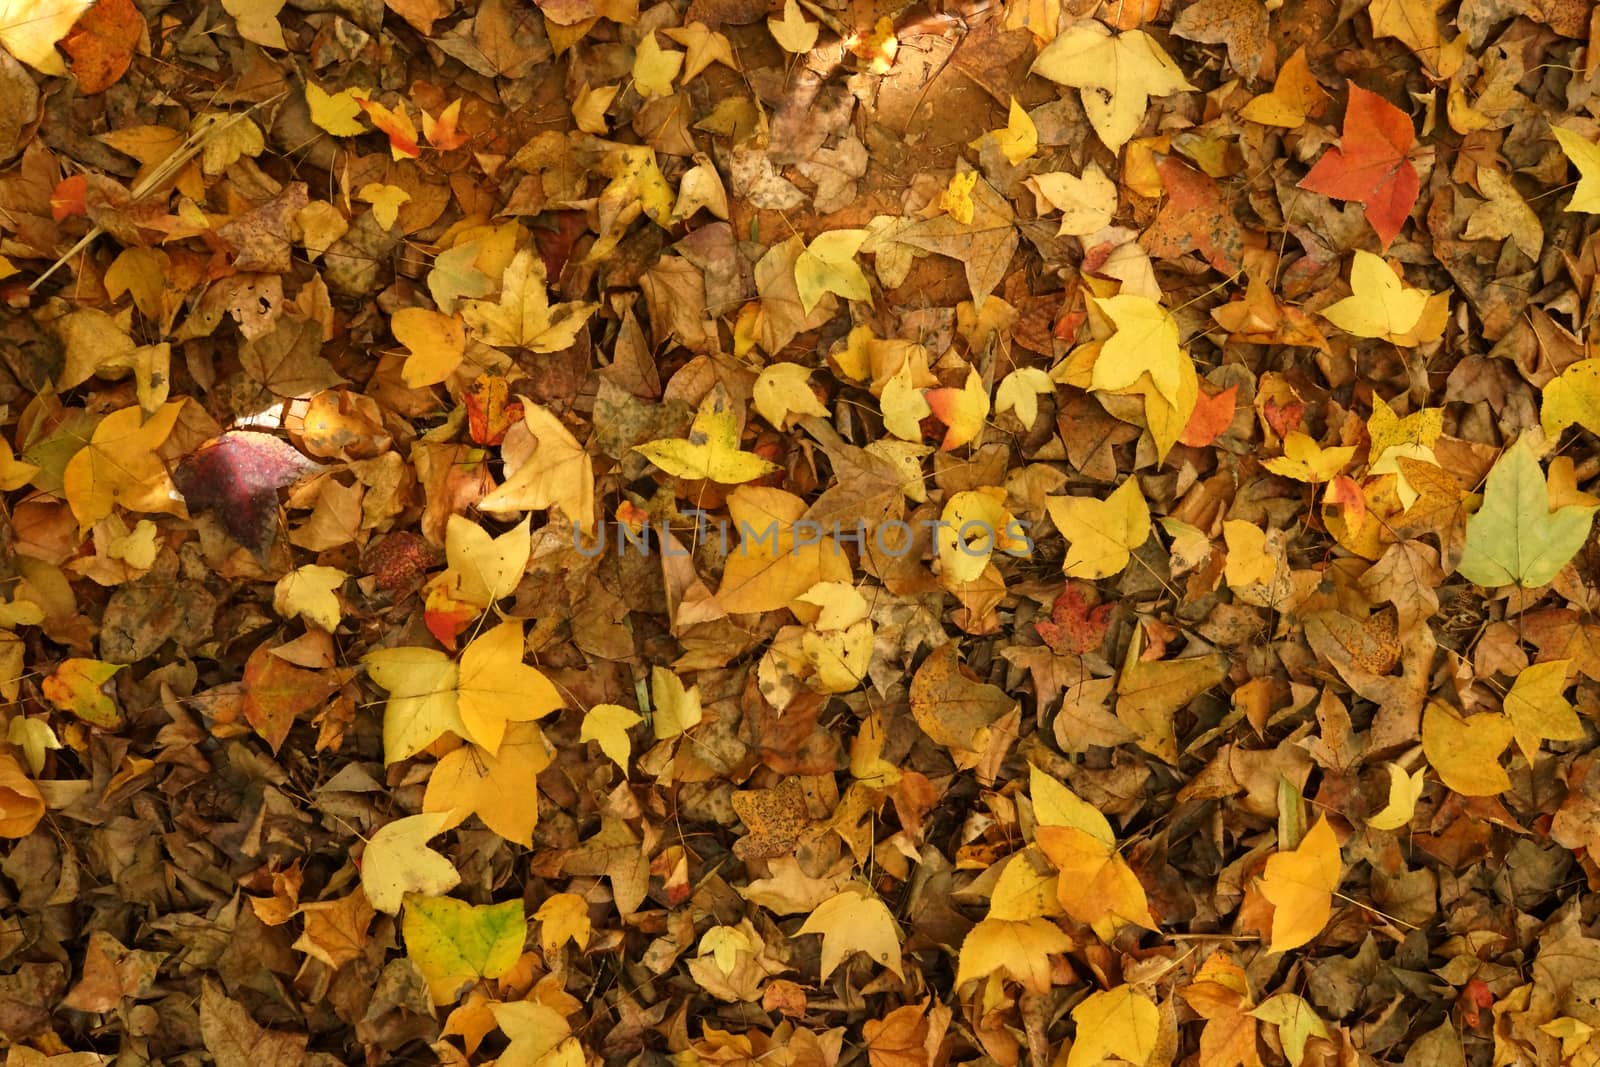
point(845, 533)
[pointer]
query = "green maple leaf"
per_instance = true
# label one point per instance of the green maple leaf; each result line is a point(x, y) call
point(1515, 537)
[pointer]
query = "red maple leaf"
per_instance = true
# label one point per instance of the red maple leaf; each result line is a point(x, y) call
point(236, 477)
point(1372, 164)
point(1074, 626)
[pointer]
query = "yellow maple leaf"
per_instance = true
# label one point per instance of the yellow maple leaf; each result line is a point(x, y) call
point(1120, 1023)
point(397, 861)
point(1404, 790)
point(1087, 202)
point(711, 451)
point(654, 67)
point(608, 726)
point(1101, 534)
point(1096, 886)
point(524, 316)
point(1382, 306)
point(794, 32)
point(559, 474)
point(495, 786)
point(1021, 950)
point(1295, 95)
point(783, 391)
point(563, 917)
point(1300, 884)
point(454, 943)
point(828, 265)
point(1538, 709)
point(437, 344)
point(1574, 397)
point(120, 465)
point(1306, 461)
point(481, 568)
point(1020, 391)
point(1115, 75)
point(497, 688)
point(310, 592)
point(338, 113)
point(856, 920)
point(1020, 138)
point(385, 201)
point(674, 708)
point(1466, 751)
point(1145, 342)
point(422, 705)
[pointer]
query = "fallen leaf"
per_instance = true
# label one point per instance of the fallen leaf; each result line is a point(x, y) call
point(1300, 884)
point(1372, 164)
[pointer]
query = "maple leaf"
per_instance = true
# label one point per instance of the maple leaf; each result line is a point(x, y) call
point(437, 344)
point(79, 686)
point(277, 693)
point(563, 917)
point(1195, 216)
point(496, 688)
point(1372, 164)
point(963, 410)
point(1516, 537)
point(1382, 306)
point(492, 785)
point(120, 465)
point(1150, 692)
point(336, 113)
point(1294, 96)
point(1087, 202)
point(1306, 461)
point(557, 475)
point(236, 476)
point(1101, 534)
point(1574, 397)
point(794, 32)
point(608, 726)
point(1466, 750)
point(398, 861)
point(1404, 790)
point(828, 265)
point(524, 316)
point(1073, 625)
point(773, 565)
point(1096, 886)
point(454, 943)
point(1300, 884)
point(1115, 75)
point(1019, 949)
point(1121, 1023)
point(856, 920)
point(711, 451)
point(1145, 342)
point(1538, 710)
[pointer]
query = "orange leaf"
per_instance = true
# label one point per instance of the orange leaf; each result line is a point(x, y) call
point(1212, 414)
point(102, 44)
